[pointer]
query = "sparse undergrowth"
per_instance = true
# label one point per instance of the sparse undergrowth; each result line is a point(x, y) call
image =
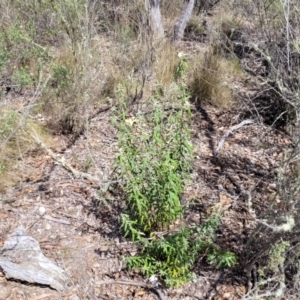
point(52, 61)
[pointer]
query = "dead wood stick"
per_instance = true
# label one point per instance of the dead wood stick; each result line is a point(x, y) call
point(229, 131)
point(135, 283)
point(61, 221)
point(63, 162)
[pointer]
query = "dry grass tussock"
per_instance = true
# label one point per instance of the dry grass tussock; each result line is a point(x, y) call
point(194, 26)
point(128, 65)
point(165, 63)
point(226, 18)
point(77, 84)
point(209, 80)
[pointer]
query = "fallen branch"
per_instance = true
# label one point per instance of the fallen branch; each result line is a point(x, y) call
point(229, 131)
point(64, 164)
point(61, 221)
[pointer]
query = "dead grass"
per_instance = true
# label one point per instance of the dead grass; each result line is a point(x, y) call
point(16, 143)
point(194, 26)
point(228, 21)
point(78, 84)
point(170, 11)
point(226, 25)
point(209, 81)
point(211, 73)
point(165, 63)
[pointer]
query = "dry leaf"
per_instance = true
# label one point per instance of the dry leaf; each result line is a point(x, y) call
point(241, 290)
point(240, 224)
point(140, 292)
point(37, 164)
point(224, 199)
point(3, 215)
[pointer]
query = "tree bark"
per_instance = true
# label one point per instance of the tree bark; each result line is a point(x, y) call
point(155, 19)
point(183, 18)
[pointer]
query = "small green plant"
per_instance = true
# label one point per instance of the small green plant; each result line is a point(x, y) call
point(2, 168)
point(7, 122)
point(272, 274)
point(22, 77)
point(181, 66)
point(276, 258)
point(14, 34)
point(172, 256)
point(4, 53)
point(129, 227)
point(221, 257)
point(61, 77)
point(87, 164)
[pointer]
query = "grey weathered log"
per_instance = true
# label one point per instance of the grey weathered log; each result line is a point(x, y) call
point(155, 19)
point(21, 258)
point(183, 18)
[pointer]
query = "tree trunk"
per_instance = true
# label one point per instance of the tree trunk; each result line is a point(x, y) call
point(183, 18)
point(155, 19)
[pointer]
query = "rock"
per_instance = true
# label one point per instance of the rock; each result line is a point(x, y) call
point(42, 210)
point(21, 258)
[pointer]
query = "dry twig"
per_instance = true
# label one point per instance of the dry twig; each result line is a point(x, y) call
point(229, 131)
point(63, 163)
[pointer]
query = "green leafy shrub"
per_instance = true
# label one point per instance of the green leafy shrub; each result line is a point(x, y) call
point(22, 77)
point(172, 256)
point(154, 163)
point(8, 122)
point(221, 257)
point(4, 53)
point(60, 77)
